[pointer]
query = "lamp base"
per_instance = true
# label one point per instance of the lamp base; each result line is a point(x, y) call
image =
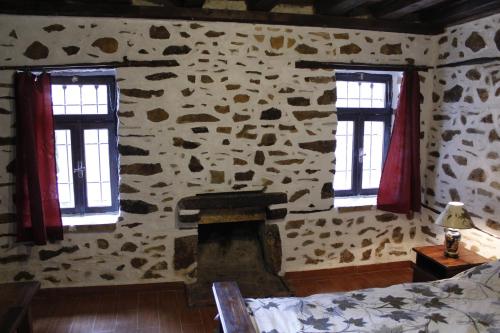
point(451, 242)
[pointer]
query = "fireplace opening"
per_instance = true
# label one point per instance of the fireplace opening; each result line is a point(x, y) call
point(244, 252)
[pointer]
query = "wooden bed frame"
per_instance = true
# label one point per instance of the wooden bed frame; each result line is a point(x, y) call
point(233, 314)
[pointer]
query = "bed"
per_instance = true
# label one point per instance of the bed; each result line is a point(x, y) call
point(468, 302)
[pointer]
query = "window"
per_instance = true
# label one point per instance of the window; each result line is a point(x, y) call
point(86, 144)
point(364, 125)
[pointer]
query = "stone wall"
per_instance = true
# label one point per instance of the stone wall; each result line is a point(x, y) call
point(463, 161)
point(228, 111)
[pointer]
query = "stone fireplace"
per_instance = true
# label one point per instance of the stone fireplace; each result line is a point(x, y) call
point(234, 243)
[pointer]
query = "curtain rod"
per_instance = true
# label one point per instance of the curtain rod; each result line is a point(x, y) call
point(306, 64)
point(385, 67)
point(89, 65)
point(475, 61)
point(362, 66)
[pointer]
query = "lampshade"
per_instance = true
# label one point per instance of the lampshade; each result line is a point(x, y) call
point(455, 216)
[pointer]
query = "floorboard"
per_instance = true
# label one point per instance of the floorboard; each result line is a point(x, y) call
point(146, 310)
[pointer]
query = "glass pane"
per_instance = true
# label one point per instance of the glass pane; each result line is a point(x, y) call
point(353, 90)
point(360, 94)
point(106, 191)
point(379, 91)
point(343, 155)
point(102, 109)
point(58, 109)
point(102, 94)
point(92, 162)
point(94, 194)
point(73, 109)
point(89, 109)
point(79, 99)
point(365, 103)
point(97, 167)
point(89, 94)
point(366, 90)
point(57, 94)
point(91, 136)
point(341, 89)
point(104, 161)
point(103, 136)
point(64, 165)
point(373, 142)
point(72, 93)
point(353, 103)
point(341, 103)
point(378, 103)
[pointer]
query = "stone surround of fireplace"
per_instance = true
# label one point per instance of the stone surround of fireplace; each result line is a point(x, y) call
point(234, 243)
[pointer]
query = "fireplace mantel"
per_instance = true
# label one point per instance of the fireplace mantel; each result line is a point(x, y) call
point(225, 207)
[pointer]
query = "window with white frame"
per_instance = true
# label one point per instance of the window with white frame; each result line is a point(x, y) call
point(364, 111)
point(85, 120)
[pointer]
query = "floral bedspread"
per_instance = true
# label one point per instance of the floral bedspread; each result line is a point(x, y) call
point(469, 302)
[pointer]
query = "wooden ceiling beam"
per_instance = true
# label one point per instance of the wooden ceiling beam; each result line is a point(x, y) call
point(104, 9)
point(261, 5)
point(392, 9)
point(460, 11)
point(337, 7)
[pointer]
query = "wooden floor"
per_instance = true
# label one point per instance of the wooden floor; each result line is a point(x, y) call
point(163, 308)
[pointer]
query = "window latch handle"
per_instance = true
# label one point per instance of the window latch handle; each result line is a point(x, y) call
point(79, 170)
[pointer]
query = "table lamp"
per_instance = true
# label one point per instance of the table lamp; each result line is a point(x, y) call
point(452, 218)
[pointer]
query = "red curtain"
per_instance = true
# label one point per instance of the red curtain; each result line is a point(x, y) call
point(399, 189)
point(37, 203)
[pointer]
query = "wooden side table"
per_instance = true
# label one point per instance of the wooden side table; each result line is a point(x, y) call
point(432, 264)
point(15, 301)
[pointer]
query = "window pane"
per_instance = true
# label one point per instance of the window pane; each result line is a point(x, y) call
point(59, 109)
point(373, 142)
point(89, 94)
point(75, 99)
point(91, 136)
point(97, 167)
point(73, 109)
point(365, 103)
point(102, 94)
point(89, 109)
point(341, 89)
point(360, 94)
point(343, 155)
point(353, 103)
point(72, 93)
point(379, 91)
point(57, 94)
point(64, 165)
point(366, 90)
point(102, 109)
point(353, 90)
point(341, 102)
point(378, 103)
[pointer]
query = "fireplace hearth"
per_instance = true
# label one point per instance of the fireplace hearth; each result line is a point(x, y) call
point(234, 243)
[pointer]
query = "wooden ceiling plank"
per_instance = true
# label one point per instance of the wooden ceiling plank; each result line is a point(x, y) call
point(458, 12)
point(397, 9)
point(193, 3)
point(297, 2)
point(261, 5)
point(337, 7)
point(214, 15)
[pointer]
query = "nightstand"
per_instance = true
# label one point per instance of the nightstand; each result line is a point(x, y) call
point(433, 265)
